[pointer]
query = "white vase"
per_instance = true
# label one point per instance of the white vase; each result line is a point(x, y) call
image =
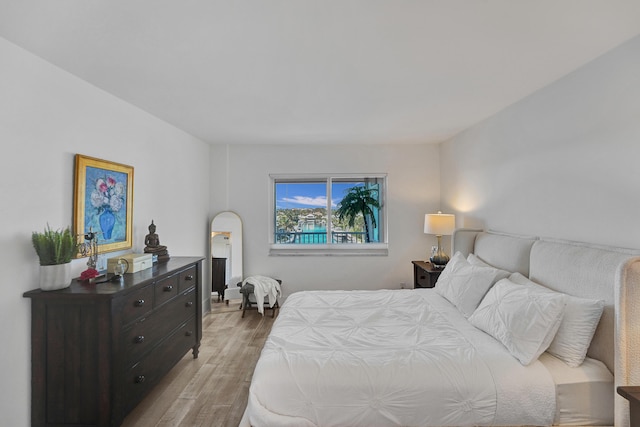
point(53, 277)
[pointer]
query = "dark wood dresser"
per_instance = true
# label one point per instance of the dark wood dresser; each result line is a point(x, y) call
point(98, 349)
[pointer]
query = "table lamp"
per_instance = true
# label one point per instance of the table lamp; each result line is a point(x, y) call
point(441, 225)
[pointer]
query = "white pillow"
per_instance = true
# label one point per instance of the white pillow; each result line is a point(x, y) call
point(464, 284)
point(523, 318)
point(473, 259)
point(581, 317)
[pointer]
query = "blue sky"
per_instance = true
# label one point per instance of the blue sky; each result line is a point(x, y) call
point(308, 195)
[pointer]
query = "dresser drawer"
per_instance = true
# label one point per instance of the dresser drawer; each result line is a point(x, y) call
point(143, 336)
point(147, 332)
point(145, 374)
point(165, 289)
point(137, 304)
point(187, 279)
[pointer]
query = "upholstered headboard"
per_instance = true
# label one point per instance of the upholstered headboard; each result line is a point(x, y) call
point(588, 271)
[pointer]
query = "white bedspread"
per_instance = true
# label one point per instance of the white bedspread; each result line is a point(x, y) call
point(389, 358)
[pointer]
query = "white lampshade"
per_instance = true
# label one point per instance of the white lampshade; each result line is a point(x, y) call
point(439, 224)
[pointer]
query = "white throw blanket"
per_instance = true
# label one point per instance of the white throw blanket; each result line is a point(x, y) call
point(264, 287)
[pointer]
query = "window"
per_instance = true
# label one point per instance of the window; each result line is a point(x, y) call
point(328, 214)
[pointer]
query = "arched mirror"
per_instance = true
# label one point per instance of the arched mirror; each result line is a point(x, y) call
point(226, 256)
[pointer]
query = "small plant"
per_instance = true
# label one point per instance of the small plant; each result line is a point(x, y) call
point(54, 246)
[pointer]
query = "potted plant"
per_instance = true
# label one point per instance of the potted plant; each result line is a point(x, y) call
point(55, 249)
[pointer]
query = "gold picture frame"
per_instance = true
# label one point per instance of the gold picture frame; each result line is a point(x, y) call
point(103, 202)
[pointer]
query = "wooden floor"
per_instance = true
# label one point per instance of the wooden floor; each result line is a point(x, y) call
point(211, 390)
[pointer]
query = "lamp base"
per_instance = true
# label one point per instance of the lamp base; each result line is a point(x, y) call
point(439, 262)
point(439, 259)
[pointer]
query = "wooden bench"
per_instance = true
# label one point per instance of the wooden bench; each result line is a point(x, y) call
point(247, 291)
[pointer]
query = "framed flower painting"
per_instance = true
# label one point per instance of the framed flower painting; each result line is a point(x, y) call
point(103, 202)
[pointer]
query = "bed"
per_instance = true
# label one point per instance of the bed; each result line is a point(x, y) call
point(434, 357)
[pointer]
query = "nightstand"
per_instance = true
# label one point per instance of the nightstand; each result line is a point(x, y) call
point(632, 394)
point(424, 274)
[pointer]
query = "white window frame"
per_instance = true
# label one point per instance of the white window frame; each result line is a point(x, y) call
point(329, 249)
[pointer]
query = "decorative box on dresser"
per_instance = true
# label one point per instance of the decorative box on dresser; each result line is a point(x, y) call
point(98, 349)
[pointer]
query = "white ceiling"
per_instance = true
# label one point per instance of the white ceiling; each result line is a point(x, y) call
point(320, 71)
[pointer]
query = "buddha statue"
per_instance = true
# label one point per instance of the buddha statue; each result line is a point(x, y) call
point(153, 246)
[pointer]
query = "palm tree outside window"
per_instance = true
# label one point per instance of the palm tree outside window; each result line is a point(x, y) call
point(359, 209)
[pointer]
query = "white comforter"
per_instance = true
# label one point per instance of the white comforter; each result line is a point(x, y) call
point(389, 358)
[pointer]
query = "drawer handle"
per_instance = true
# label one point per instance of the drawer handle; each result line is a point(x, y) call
point(189, 304)
point(139, 339)
point(422, 277)
point(139, 303)
point(139, 379)
point(188, 333)
point(168, 288)
point(188, 277)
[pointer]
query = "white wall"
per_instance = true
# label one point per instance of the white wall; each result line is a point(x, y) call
point(242, 185)
point(564, 162)
point(46, 117)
